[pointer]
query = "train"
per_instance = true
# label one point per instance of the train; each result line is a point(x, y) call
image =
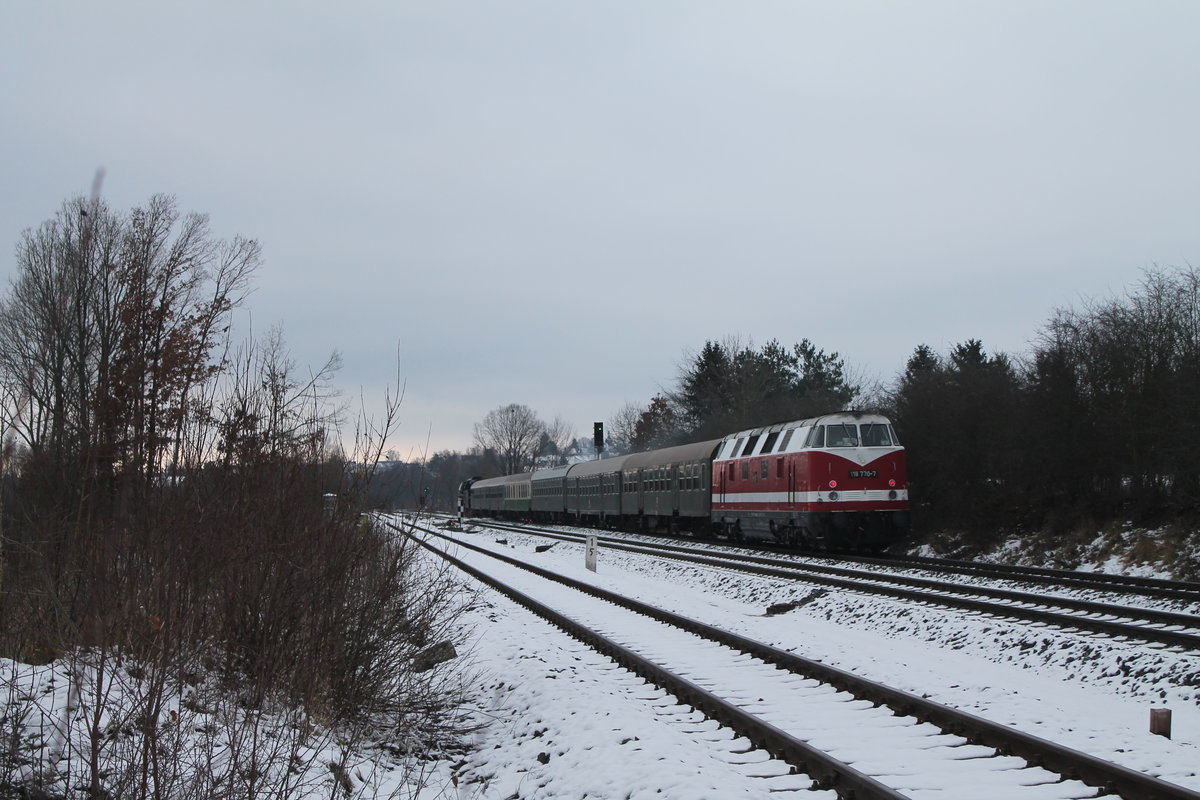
point(836, 482)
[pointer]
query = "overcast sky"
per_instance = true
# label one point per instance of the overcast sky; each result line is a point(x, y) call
point(549, 203)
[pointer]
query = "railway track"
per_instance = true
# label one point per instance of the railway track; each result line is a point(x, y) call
point(1181, 591)
point(1138, 624)
point(788, 705)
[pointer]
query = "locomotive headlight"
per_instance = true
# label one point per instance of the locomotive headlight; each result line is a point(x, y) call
point(833, 495)
point(892, 494)
point(833, 484)
point(892, 482)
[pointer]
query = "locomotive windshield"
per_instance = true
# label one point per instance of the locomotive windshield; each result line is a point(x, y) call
point(878, 434)
point(841, 436)
point(874, 434)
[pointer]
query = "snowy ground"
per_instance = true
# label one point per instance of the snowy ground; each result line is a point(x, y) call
point(553, 720)
point(1084, 691)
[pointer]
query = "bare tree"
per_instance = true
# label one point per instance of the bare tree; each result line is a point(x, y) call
point(559, 439)
point(622, 427)
point(514, 432)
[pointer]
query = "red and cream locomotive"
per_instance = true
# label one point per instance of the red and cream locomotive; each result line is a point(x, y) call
point(833, 481)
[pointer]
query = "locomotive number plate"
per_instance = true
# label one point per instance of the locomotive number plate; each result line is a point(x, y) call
point(863, 473)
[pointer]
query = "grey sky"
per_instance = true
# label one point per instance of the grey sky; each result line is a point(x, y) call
point(549, 202)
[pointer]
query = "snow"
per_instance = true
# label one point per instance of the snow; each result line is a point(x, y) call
point(600, 731)
point(551, 719)
point(1087, 692)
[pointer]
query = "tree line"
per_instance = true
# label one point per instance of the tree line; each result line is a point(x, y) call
point(1093, 424)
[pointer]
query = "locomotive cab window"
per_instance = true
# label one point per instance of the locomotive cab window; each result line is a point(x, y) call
point(841, 436)
point(816, 437)
point(877, 434)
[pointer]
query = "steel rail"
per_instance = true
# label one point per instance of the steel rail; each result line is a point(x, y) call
point(826, 771)
point(1073, 764)
point(875, 583)
point(1184, 591)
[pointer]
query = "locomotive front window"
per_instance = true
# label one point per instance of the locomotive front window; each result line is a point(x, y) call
point(877, 434)
point(841, 436)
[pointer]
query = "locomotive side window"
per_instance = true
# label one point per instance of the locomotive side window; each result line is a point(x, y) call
point(745, 470)
point(841, 436)
point(787, 438)
point(816, 437)
point(769, 444)
point(753, 440)
point(765, 471)
point(737, 448)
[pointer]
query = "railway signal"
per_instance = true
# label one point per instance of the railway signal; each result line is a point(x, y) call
point(598, 436)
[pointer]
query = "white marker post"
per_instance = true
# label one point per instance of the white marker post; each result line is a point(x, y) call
point(589, 557)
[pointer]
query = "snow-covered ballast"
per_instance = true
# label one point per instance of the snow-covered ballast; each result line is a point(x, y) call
point(833, 481)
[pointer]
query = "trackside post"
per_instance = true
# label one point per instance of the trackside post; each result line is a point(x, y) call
point(1160, 722)
point(589, 557)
